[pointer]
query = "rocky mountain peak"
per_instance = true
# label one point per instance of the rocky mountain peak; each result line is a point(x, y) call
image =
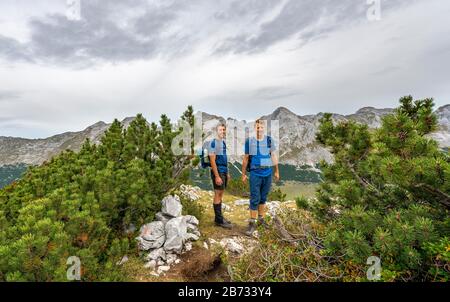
point(282, 112)
point(369, 109)
point(127, 121)
point(443, 117)
point(208, 117)
point(100, 124)
point(444, 107)
point(444, 110)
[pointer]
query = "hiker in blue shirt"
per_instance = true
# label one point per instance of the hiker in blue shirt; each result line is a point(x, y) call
point(262, 163)
point(217, 153)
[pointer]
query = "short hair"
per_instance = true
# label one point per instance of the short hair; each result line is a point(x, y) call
point(221, 125)
point(260, 122)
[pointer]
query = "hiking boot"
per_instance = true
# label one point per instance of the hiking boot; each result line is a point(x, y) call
point(224, 224)
point(251, 228)
point(262, 222)
point(220, 220)
point(227, 221)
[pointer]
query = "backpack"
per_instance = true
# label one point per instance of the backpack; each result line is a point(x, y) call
point(269, 145)
point(204, 157)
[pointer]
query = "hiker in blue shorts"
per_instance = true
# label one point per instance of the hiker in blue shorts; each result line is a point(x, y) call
point(262, 163)
point(219, 173)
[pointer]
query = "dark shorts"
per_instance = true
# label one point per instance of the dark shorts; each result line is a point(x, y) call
point(224, 177)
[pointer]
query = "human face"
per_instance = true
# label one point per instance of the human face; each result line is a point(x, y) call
point(260, 130)
point(221, 132)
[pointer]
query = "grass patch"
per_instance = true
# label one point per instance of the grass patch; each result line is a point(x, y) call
point(294, 189)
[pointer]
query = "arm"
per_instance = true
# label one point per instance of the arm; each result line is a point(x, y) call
point(212, 159)
point(244, 167)
point(275, 165)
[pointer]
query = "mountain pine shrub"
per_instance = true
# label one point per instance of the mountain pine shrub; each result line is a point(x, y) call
point(387, 194)
point(83, 204)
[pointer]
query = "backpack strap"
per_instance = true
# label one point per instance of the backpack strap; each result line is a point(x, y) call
point(214, 142)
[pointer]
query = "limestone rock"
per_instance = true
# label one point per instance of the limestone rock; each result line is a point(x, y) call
point(176, 233)
point(123, 260)
point(171, 258)
point(155, 274)
point(160, 262)
point(226, 208)
point(171, 206)
point(160, 216)
point(152, 236)
point(191, 228)
point(191, 236)
point(157, 254)
point(189, 192)
point(232, 245)
point(188, 246)
point(191, 220)
point(273, 208)
point(150, 265)
point(242, 202)
point(163, 269)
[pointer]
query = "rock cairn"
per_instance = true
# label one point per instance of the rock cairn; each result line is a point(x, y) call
point(171, 235)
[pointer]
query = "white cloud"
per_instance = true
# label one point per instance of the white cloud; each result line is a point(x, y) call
point(353, 63)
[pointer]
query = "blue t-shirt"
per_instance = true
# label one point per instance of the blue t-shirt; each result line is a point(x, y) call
point(219, 148)
point(260, 152)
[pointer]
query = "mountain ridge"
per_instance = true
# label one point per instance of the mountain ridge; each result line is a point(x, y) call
point(297, 136)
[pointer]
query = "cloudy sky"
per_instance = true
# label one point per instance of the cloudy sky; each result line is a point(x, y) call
point(60, 71)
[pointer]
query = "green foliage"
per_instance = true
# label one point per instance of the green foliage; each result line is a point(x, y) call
point(80, 204)
point(191, 207)
point(237, 188)
point(276, 260)
point(439, 255)
point(277, 195)
point(387, 194)
point(302, 203)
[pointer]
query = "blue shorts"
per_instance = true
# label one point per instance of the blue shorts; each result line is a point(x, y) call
point(259, 190)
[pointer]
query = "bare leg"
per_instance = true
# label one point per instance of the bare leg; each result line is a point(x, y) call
point(218, 194)
point(261, 211)
point(221, 196)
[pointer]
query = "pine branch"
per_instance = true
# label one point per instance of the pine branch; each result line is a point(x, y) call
point(180, 166)
point(444, 197)
point(283, 233)
point(363, 182)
